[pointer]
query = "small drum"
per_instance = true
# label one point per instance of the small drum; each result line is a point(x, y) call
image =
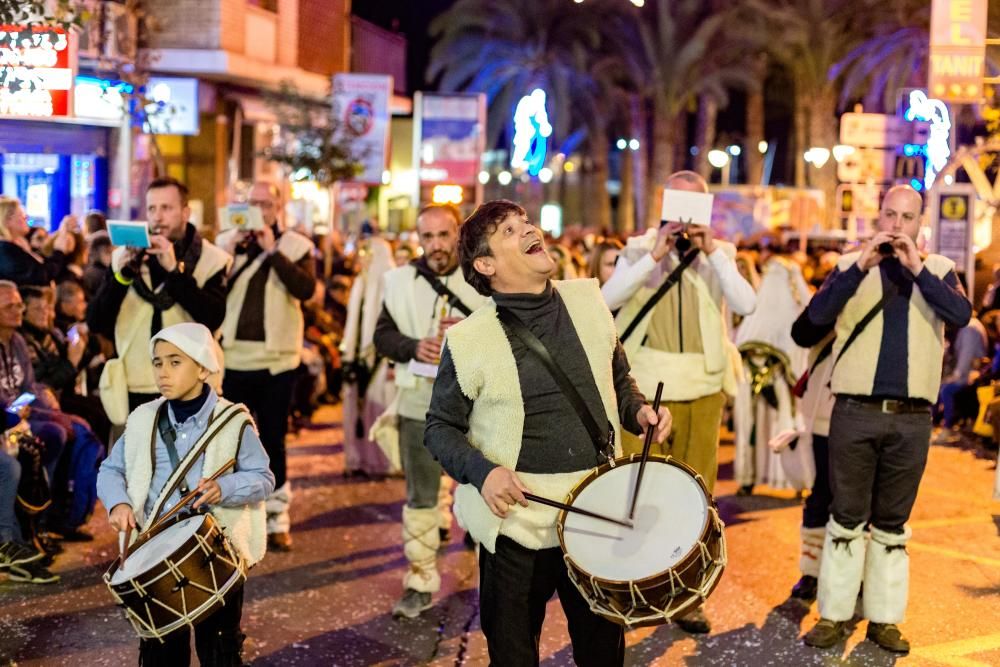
point(662, 567)
point(176, 576)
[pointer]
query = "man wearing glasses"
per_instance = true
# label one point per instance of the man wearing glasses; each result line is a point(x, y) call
point(272, 273)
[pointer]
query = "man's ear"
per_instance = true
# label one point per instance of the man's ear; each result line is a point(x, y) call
point(485, 266)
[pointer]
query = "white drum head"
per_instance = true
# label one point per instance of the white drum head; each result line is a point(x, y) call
point(669, 520)
point(157, 548)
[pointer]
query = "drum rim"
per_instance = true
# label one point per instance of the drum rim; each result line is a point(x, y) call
point(711, 517)
point(144, 539)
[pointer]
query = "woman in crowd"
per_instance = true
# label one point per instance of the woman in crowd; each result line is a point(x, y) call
point(18, 262)
point(603, 258)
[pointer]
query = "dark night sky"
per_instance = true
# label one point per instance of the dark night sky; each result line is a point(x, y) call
point(410, 17)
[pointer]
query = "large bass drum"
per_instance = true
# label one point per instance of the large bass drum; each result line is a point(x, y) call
point(664, 566)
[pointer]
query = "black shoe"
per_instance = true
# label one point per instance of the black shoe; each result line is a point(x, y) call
point(825, 634)
point(15, 553)
point(888, 636)
point(76, 535)
point(745, 490)
point(445, 535)
point(31, 573)
point(45, 542)
point(695, 622)
point(805, 589)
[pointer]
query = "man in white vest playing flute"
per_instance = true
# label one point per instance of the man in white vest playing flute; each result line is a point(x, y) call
point(422, 300)
point(273, 272)
point(501, 425)
point(889, 305)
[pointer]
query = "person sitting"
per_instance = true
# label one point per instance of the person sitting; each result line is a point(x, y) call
point(19, 263)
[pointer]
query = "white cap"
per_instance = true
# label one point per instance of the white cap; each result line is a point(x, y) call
point(193, 339)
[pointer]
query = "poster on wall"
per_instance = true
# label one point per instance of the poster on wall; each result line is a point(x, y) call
point(361, 105)
point(451, 137)
point(37, 69)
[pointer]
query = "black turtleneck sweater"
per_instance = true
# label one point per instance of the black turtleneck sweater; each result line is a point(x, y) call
point(554, 439)
point(184, 410)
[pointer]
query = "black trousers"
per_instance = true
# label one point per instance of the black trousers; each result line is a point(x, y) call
point(269, 398)
point(816, 510)
point(514, 585)
point(217, 640)
point(876, 462)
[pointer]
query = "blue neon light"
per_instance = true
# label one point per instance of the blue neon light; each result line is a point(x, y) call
point(531, 132)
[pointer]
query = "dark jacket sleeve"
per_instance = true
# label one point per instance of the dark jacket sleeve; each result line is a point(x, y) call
point(447, 425)
point(805, 333)
point(630, 399)
point(946, 296)
point(54, 370)
point(103, 309)
point(299, 278)
point(391, 342)
point(837, 290)
point(205, 304)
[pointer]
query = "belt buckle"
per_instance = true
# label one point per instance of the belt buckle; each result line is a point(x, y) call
point(891, 406)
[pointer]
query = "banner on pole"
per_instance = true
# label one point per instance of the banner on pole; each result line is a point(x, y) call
point(361, 106)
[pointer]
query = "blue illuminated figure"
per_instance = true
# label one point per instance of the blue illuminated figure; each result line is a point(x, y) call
point(531, 132)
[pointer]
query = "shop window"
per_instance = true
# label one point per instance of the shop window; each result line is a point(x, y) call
point(269, 5)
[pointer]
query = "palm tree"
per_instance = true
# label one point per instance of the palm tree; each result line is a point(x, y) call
point(507, 48)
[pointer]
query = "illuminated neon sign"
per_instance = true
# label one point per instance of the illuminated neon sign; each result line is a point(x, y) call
point(531, 132)
point(938, 148)
point(36, 73)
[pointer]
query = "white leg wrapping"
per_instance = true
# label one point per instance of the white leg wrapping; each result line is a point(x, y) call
point(840, 571)
point(276, 506)
point(420, 544)
point(812, 550)
point(887, 576)
point(445, 499)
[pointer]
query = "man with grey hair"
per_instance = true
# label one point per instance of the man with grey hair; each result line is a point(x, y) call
point(888, 305)
point(682, 340)
point(273, 272)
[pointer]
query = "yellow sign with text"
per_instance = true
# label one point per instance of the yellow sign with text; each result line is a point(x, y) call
point(958, 50)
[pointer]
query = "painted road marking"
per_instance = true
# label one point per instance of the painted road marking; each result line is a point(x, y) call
point(952, 653)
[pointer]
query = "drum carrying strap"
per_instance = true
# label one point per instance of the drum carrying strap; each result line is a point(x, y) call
point(185, 464)
point(169, 437)
point(669, 281)
point(605, 446)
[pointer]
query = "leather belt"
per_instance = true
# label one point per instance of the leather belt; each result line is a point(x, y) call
point(891, 406)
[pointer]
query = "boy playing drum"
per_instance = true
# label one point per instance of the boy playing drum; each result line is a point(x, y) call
point(137, 488)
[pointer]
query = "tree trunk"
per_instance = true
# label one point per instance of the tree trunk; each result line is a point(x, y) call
point(704, 133)
point(597, 197)
point(822, 113)
point(638, 119)
point(666, 133)
point(625, 218)
point(800, 144)
point(755, 123)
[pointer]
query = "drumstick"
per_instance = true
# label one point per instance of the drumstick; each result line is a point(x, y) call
point(645, 449)
point(189, 497)
point(123, 536)
point(577, 510)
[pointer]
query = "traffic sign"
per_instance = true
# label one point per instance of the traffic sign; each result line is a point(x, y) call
point(874, 130)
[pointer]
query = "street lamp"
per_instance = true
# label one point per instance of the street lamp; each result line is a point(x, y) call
point(504, 177)
point(545, 175)
point(841, 151)
point(484, 177)
point(817, 156)
point(720, 160)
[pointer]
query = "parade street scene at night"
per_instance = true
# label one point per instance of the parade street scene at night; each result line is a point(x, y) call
point(500, 333)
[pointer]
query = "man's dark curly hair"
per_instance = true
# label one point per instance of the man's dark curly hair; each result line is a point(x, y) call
point(474, 239)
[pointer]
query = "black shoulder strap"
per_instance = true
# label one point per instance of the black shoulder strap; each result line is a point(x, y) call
point(169, 437)
point(671, 280)
point(513, 323)
point(440, 287)
point(887, 294)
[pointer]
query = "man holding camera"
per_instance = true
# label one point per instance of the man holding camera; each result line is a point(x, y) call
point(682, 340)
point(180, 277)
point(889, 305)
point(273, 273)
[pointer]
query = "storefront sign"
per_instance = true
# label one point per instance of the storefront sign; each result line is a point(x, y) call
point(451, 137)
point(172, 106)
point(953, 215)
point(958, 50)
point(36, 71)
point(361, 105)
point(99, 98)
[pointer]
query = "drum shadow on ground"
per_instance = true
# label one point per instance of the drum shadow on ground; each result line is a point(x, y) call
point(352, 515)
point(46, 637)
point(733, 509)
point(384, 640)
point(333, 479)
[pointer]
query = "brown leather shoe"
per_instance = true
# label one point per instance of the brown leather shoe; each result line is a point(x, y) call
point(279, 542)
point(888, 636)
point(825, 633)
point(694, 622)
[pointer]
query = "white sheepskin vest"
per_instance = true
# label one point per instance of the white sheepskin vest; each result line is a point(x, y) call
point(410, 300)
point(245, 525)
point(133, 328)
point(284, 324)
point(855, 372)
point(487, 374)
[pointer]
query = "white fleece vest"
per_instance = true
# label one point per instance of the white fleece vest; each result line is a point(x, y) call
point(284, 324)
point(245, 525)
point(135, 319)
point(686, 375)
point(855, 372)
point(487, 374)
point(411, 300)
